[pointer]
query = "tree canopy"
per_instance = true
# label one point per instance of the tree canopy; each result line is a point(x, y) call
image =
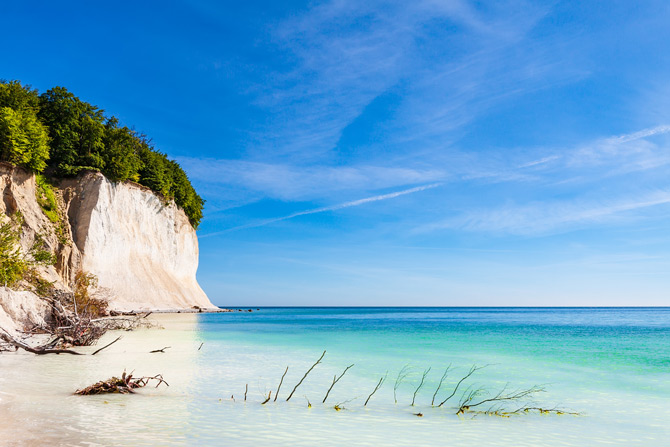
point(59, 134)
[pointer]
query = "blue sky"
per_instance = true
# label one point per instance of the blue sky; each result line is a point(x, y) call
point(391, 153)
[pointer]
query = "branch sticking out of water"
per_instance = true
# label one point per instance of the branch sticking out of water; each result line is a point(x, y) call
point(402, 375)
point(473, 369)
point(423, 378)
point(303, 377)
point(439, 385)
point(335, 380)
point(280, 382)
point(107, 345)
point(379, 385)
point(466, 402)
point(159, 350)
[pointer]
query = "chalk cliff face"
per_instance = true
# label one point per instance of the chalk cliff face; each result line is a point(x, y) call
point(143, 251)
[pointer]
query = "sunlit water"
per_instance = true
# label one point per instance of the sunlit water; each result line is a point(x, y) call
point(610, 365)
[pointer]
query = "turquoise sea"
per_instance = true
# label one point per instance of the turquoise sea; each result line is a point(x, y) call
point(609, 365)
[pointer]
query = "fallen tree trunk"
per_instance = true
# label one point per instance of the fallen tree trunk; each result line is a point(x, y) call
point(37, 350)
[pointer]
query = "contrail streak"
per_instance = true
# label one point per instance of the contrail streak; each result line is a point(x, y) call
point(330, 208)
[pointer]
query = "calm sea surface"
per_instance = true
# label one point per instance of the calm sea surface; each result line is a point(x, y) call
point(610, 365)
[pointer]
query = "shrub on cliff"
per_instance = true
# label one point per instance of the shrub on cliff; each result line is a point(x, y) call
point(74, 135)
point(12, 263)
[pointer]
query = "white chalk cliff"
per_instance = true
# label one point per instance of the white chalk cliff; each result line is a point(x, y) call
point(142, 249)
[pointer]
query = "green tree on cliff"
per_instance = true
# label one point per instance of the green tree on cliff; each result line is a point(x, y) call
point(76, 129)
point(121, 155)
point(23, 138)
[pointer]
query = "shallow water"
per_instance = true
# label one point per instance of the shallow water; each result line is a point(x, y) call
point(610, 365)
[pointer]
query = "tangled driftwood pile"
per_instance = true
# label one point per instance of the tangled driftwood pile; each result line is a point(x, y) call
point(123, 385)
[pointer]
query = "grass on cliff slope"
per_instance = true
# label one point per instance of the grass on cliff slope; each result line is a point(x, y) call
point(46, 197)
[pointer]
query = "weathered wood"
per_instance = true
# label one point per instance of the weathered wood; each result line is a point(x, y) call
point(38, 350)
point(335, 380)
point(280, 382)
point(303, 377)
point(107, 345)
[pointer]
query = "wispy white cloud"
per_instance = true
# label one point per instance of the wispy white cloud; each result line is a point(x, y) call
point(641, 134)
point(324, 209)
point(549, 217)
point(306, 182)
point(452, 60)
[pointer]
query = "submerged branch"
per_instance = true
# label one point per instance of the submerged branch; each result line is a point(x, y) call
point(402, 375)
point(439, 385)
point(107, 345)
point(335, 380)
point(303, 377)
point(423, 378)
point(37, 350)
point(473, 369)
point(124, 385)
point(280, 382)
point(379, 385)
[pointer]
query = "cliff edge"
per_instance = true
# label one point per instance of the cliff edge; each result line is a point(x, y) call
point(142, 249)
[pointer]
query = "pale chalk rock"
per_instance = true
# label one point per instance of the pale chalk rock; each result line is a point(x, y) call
point(143, 250)
point(20, 310)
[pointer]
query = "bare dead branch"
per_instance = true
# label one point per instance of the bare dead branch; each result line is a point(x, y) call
point(402, 375)
point(335, 380)
point(124, 385)
point(266, 400)
point(439, 385)
point(159, 350)
point(303, 377)
point(107, 345)
point(423, 378)
point(280, 382)
point(473, 369)
point(501, 396)
point(246, 388)
point(379, 385)
point(38, 350)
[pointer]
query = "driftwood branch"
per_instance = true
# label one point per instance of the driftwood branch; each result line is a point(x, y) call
point(107, 345)
point(402, 375)
point(379, 385)
point(335, 380)
point(280, 382)
point(473, 369)
point(502, 396)
point(303, 377)
point(266, 400)
point(439, 385)
point(423, 378)
point(160, 350)
point(124, 385)
point(246, 388)
point(38, 350)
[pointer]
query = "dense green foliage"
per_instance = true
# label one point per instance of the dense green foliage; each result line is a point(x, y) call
point(61, 135)
point(23, 138)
